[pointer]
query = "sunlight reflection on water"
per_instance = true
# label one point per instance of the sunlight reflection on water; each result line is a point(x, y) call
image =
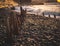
point(38, 9)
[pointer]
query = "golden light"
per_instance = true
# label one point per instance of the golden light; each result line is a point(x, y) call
point(8, 3)
point(58, 0)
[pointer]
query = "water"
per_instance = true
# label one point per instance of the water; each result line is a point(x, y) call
point(39, 9)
